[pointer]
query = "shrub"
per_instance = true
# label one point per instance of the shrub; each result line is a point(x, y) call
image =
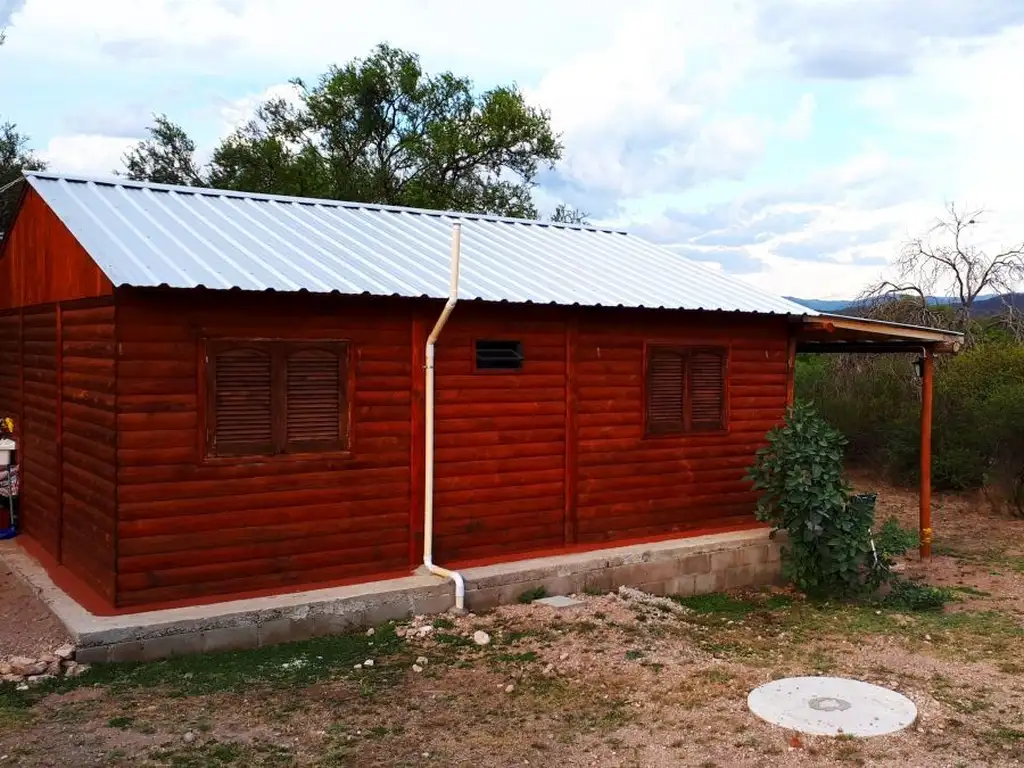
point(911, 596)
point(978, 424)
point(893, 540)
point(829, 553)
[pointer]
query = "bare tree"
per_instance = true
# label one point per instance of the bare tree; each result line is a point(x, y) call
point(946, 262)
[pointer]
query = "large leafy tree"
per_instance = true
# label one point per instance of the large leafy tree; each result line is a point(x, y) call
point(378, 130)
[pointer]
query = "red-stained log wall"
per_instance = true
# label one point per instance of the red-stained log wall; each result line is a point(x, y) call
point(88, 444)
point(109, 395)
point(39, 436)
point(191, 526)
point(500, 436)
point(632, 486)
point(42, 262)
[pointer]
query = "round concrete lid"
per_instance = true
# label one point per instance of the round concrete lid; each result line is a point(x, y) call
point(830, 706)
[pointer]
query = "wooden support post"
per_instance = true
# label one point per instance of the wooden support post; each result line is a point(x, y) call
point(791, 370)
point(927, 370)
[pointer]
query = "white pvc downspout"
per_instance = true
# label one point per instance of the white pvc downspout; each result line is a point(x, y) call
point(428, 454)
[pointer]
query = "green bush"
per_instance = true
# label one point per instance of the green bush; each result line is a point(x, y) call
point(910, 596)
point(829, 552)
point(978, 423)
point(893, 540)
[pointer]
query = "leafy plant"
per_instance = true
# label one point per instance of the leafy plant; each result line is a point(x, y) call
point(537, 593)
point(911, 596)
point(893, 540)
point(830, 552)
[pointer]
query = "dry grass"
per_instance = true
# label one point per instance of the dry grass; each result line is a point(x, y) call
point(606, 684)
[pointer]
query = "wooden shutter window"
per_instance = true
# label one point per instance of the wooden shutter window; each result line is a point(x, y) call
point(314, 398)
point(707, 390)
point(665, 391)
point(242, 409)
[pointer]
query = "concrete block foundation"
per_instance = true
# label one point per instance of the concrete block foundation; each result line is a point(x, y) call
point(689, 566)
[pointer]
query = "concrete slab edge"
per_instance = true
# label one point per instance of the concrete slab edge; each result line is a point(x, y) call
point(680, 566)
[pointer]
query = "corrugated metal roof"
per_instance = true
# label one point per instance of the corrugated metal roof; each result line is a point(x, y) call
point(154, 235)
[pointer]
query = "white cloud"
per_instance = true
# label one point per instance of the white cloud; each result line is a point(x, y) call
point(86, 154)
point(670, 111)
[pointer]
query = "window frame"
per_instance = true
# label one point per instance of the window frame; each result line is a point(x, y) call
point(279, 350)
point(493, 371)
point(686, 351)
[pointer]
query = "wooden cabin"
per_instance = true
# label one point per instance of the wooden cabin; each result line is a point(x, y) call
point(218, 394)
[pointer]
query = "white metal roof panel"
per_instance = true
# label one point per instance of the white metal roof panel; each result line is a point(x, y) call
point(155, 235)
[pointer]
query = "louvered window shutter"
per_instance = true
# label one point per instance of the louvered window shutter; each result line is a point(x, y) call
point(315, 407)
point(707, 390)
point(241, 407)
point(665, 391)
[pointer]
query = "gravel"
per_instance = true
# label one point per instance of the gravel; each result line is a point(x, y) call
point(27, 627)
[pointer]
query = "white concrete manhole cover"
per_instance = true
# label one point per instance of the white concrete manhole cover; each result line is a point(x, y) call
point(829, 706)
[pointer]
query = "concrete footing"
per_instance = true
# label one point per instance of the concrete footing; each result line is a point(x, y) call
point(696, 565)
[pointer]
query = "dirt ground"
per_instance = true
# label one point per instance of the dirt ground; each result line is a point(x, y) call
point(27, 628)
point(609, 683)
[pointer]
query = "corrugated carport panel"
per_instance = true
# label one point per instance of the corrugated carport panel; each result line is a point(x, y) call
point(39, 451)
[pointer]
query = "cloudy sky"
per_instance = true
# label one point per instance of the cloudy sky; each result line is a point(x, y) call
point(794, 143)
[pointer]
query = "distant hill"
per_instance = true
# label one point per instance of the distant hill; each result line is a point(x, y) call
point(983, 306)
point(823, 305)
point(993, 305)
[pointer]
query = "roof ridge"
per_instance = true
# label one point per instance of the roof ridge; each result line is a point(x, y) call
point(118, 181)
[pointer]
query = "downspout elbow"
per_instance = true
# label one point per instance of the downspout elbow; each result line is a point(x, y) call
point(428, 459)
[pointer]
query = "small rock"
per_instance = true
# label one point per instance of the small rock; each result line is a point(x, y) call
point(53, 668)
point(11, 678)
point(5, 668)
point(368, 663)
point(75, 669)
point(927, 638)
point(358, 666)
point(34, 678)
point(189, 737)
point(22, 665)
point(65, 652)
point(481, 638)
point(563, 657)
point(400, 632)
point(21, 687)
point(509, 688)
point(371, 632)
point(417, 668)
point(48, 658)
point(424, 630)
point(422, 661)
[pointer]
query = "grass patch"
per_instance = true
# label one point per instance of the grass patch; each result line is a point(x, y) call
point(279, 666)
point(634, 655)
point(537, 593)
point(517, 658)
point(443, 622)
point(911, 596)
point(215, 754)
point(718, 604)
point(121, 722)
point(972, 591)
point(454, 641)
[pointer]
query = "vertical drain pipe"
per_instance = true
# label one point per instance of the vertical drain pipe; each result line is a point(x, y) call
point(428, 454)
